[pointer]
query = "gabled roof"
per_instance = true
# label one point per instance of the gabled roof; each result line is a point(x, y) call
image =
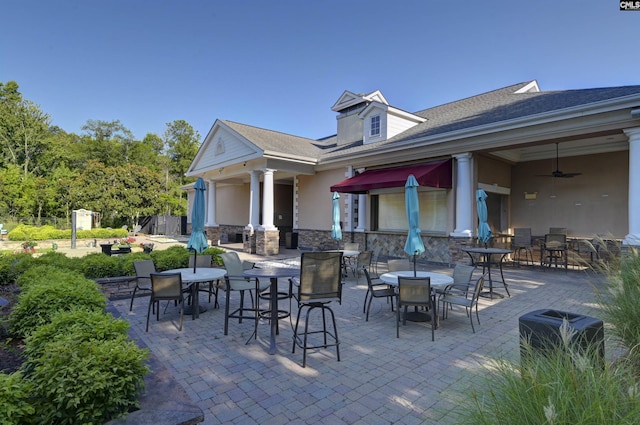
point(282, 143)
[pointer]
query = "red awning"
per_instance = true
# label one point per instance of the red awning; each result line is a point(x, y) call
point(432, 174)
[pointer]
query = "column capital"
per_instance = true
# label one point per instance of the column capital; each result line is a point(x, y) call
point(632, 133)
point(462, 156)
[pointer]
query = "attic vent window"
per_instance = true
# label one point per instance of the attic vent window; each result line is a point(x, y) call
point(375, 126)
point(219, 150)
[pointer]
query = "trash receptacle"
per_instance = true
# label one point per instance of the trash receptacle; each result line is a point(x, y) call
point(541, 328)
point(291, 240)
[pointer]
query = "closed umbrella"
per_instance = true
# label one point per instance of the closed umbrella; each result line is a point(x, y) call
point(414, 245)
point(484, 231)
point(198, 241)
point(336, 231)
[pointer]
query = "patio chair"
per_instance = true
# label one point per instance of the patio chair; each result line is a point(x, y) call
point(363, 261)
point(143, 277)
point(462, 275)
point(396, 265)
point(554, 248)
point(375, 258)
point(320, 283)
point(351, 246)
point(165, 287)
point(376, 290)
point(235, 281)
point(204, 261)
point(468, 299)
point(522, 243)
point(415, 292)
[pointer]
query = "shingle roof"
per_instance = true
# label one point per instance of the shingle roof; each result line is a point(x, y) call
point(274, 141)
point(493, 107)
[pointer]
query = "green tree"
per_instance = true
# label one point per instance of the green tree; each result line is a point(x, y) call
point(182, 143)
point(23, 129)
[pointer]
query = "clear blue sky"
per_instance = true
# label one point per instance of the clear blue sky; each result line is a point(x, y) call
point(282, 64)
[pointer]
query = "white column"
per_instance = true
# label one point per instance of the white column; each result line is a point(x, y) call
point(464, 195)
point(211, 203)
point(254, 201)
point(362, 209)
point(633, 238)
point(267, 201)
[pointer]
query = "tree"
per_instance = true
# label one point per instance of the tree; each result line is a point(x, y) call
point(23, 129)
point(183, 143)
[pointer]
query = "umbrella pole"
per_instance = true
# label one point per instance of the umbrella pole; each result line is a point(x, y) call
point(195, 257)
point(414, 266)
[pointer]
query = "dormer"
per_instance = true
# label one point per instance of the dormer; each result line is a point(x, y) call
point(382, 122)
point(348, 106)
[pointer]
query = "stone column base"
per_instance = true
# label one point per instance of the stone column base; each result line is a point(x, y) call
point(267, 242)
point(213, 235)
point(248, 241)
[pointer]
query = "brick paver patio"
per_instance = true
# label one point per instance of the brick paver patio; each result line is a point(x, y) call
point(379, 380)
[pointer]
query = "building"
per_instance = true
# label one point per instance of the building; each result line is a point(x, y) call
point(546, 159)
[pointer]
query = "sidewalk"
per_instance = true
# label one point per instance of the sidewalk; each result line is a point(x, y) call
point(380, 379)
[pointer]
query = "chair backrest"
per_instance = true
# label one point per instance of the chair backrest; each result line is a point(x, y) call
point(396, 265)
point(351, 246)
point(235, 269)
point(144, 269)
point(555, 240)
point(479, 286)
point(558, 230)
point(320, 276)
point(522, 237)
point(166, 286)
point(462, 274)
point(414, 290)
point(248, 265)
point(364, 259)
point(203, 261)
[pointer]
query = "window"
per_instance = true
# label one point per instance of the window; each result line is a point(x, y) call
point(388, 211)
point(375, 126)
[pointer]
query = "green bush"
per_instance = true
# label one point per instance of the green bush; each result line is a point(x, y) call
point(88, 382)
point(15, 402)
point(26, 262)
point(23, 232)
point(38, 301)
point(175, 257)
point(98, 265)
point(82, 325)
point(8, 262)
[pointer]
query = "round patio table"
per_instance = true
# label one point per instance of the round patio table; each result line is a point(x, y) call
point(202, 274)
point(273, 273)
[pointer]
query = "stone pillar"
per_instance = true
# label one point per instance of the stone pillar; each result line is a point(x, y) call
point(464, 195)
point(633, 238)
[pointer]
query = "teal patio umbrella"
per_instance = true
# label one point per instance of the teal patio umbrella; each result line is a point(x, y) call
point(414, 245)
point(198, 241)
point(336, 231)
point(484, 231)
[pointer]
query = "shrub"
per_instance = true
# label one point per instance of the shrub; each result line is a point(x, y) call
point(175, 257)
point(98, 265)
point(26, 262)
point(8, 262)
point(214, 252)
point(38, 301)
point(15, 399)
point(88, 382)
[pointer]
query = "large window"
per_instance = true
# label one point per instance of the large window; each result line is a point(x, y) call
point(389, 211)
point(375, 126)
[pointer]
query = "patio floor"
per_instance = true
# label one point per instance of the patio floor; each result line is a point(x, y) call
point(379, 380)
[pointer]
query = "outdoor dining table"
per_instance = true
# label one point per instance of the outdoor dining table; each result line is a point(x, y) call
point(348, 255)
point(193, 280)
point(437, 280)
point(273, 273)
point(485, 254)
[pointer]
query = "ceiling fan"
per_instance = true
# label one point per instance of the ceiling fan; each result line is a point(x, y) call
point(557, 172)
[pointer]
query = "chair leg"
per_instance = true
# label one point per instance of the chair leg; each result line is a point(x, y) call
point(364, 305)
point(149, 312)
point(135, 288)
point(369, 307)
point(226, 312)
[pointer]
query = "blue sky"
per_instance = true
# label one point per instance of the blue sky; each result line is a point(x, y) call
point(282, 64)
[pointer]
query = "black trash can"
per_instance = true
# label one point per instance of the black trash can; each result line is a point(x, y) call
point(541, 328)
point(291, 240)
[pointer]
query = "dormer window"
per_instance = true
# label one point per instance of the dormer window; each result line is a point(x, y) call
point(375, 126)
